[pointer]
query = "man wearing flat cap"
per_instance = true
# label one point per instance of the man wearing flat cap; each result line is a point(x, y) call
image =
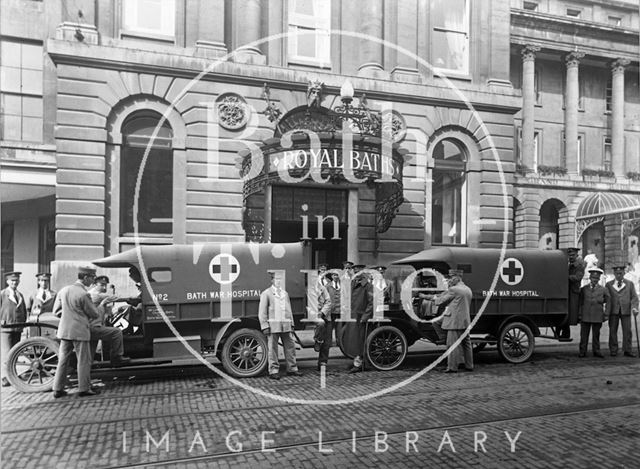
point(43, 299)
point(624, 301)
point(77, 311)
point(455, 320)
point(13, 310)
point(592, 312)
point(576, 272)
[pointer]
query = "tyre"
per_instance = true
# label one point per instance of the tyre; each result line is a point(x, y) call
point(386, 348)
point(32, 364)
point(244, 353)
point(516, 342)
point(339, 330)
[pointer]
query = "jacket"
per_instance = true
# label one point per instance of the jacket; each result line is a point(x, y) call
point(36, 305)
point(576, 272)
point(361, 298)
point(274, 312)
point(77, 312)
point(12, 312)
point(335, 297)
point(592, 301)
point(622, 300)
point(457, 314)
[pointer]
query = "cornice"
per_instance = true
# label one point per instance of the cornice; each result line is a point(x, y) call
point(189, 67)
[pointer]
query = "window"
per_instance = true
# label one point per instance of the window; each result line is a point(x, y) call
point(536, 149)
point(579, 153)
point(155, 202)
point(448, 200)
point(309, 24)
point(21, 102)
point(606, 154)
point(536, 84)
point(531, 6)
point(450, 41)
point(149, 17)
point(614, 20)
point(574, 12)
point(608, 94)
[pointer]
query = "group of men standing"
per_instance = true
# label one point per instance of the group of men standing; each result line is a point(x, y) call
point(83, 312)
point(594, 303)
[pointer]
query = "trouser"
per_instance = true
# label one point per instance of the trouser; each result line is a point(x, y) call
point(8, 338)
point(595, 336)
point(323, 355)
point(361, 337)
point(83, 354)
point(111, 335)
point(614, 320)
point(462, 354)
point(289, 351)
point(564, 330)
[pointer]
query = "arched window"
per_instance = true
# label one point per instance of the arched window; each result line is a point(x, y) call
point(155, 204)
point(448, 201)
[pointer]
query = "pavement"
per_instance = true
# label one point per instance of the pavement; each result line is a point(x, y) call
point(556, 410)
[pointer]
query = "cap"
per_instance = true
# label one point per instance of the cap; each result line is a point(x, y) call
point(455, 273)
point(12, 275)
point(102, 279)
point(573, 249)
point(43, 276)
point(347, 264)
point(619, 268)
point(323, 265)
point(86, 270)
point(359, 266)
point(596, 270)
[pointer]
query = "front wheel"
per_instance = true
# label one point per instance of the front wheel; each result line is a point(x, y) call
point(386, 348)
point(516, 342)
point(244, 353)
point(32, 364)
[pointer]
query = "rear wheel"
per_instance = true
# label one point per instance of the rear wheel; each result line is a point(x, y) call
point(244, 353)
point(516, 342)
point(386, 348)
point(32, 364)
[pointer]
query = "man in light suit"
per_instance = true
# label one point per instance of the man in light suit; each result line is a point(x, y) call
point(12, 311)
point(276, 322)
point(43, 299)
point(592, 312)
point(455, 320)
point(74, 333)
point(624, 300)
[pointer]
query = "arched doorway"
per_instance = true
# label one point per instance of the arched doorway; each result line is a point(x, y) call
point(593, 242)
point(548, 226)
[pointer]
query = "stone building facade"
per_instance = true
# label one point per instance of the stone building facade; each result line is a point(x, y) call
point(186, 89)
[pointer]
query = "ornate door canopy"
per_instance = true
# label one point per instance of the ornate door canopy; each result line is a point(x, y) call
point(596, 206)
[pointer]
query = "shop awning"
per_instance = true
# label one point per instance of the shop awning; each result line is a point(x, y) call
point(606, 203)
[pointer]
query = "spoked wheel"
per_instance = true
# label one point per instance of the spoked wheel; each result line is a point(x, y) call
point(32, 363)
point(386, 348)
point(245, 353)
point(516, 342)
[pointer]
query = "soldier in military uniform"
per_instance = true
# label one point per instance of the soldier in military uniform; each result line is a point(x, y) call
point(13, 310)
point(576, 272)
point(592, 312)
point(42, 300)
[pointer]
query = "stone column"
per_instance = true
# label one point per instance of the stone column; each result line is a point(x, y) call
point(528, 105)
point(371, 51)
point(617, 116)
point(247, 25)
point(210, 42)
point(407, 67)
point(571, 111)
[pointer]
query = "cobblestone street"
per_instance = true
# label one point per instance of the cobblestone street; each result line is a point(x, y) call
point(555, 411)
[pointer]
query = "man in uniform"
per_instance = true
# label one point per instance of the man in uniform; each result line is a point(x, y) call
point(330, 317)
point(576, 272)
point(74, 332)
point(13, 310)
point(99, 331)
point(354, 334)
point(455, 320)
point(624, 301)
point(42, 300)
point(276, 322)
point(592, 312)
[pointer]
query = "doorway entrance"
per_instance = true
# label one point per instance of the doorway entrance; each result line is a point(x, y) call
point(314, 214)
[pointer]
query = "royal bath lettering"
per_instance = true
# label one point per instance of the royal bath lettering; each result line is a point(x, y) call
point(324, 158)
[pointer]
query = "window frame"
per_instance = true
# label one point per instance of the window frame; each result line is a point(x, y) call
point(146, 34)
point(465, 72)
point(606, 163)
point(581, 151)
point(537, 146)
point(320, 25)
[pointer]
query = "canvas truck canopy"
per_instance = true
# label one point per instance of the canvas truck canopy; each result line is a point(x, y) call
point(524, 273)
point(190, 281)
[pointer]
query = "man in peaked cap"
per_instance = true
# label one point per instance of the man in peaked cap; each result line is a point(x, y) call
point(42, 300)
point(77, 311)
point(592, 312)
point(576, 268)
point(13, 311)
point(624, 301)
